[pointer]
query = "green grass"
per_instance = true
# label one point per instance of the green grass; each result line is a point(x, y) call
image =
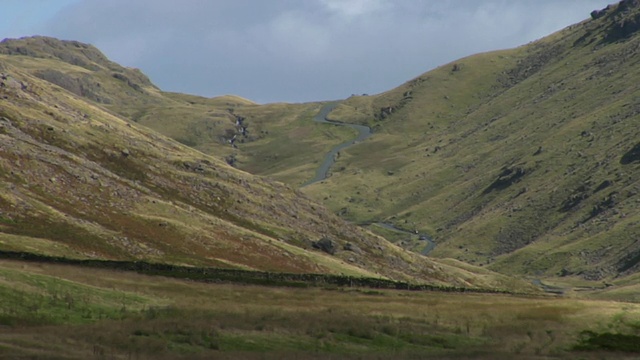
point(126, 314)
point(31, 299)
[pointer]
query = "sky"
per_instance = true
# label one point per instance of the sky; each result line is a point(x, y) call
point(290, 50)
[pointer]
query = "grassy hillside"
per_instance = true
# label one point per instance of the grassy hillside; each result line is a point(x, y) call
point(525, 160)
point(80, 180)
point(278, 140)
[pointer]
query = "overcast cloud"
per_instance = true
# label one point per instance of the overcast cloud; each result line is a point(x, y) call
point(294, 50)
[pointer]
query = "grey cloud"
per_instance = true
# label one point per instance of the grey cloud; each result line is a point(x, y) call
point(290, 50)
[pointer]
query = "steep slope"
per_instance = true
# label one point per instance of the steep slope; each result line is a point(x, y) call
point(278, 140)
point(79, 181)
point(525, 159)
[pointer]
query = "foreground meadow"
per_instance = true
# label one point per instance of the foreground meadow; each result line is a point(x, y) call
point(58, 311)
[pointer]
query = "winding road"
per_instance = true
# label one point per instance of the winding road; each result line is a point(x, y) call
point(424, 237)
point(548, 288)
point(364, 132)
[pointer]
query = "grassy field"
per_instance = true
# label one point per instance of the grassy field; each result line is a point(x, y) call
point(57, 311)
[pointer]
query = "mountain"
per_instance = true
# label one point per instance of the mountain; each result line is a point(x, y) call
point(81, 180)
point(524, 160)
point(275, 138)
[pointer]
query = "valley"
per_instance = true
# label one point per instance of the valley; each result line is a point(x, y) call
point(322, 173)
point(488, 208)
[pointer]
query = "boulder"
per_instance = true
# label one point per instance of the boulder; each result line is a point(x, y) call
point(597, 14)
point(325, 244)
point(353, 248)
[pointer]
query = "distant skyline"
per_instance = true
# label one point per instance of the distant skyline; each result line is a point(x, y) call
point(290, 50)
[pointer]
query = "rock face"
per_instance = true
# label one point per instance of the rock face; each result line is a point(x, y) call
point(70, 52)
point(624, 20)
point(325, 244)
point(621, 7)
point(94, 84)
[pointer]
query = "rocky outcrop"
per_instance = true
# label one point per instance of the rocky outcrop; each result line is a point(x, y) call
point(83, 85)
point(325, 244)
point(77, 54)
point(70, 52)
point(621, 7)
point(597, 14)
point(605, 204)
point(631, 156)
point(507, 177)
point(580, 194)
point(624, 18)
point(629, 262)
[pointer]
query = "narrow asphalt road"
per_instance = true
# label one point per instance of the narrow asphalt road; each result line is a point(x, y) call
point(424, 237)
point(364, 132)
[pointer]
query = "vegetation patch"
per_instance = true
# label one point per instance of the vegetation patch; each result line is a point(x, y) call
point(120, 163)
point(30, 299)
point(590, 341)
point(58, 231)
